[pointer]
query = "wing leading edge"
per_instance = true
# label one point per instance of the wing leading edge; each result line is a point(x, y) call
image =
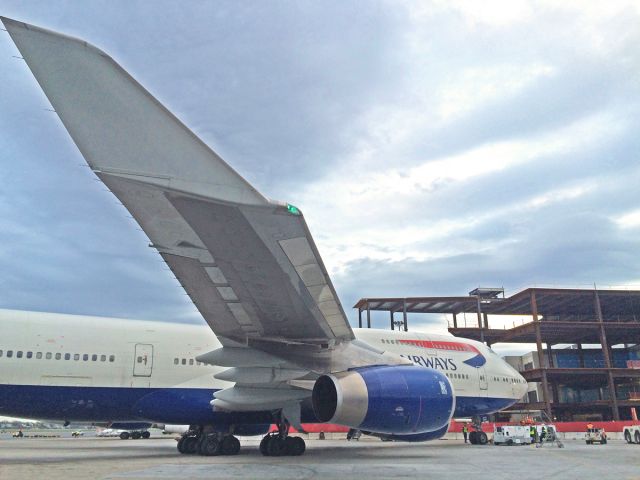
point(249, 264)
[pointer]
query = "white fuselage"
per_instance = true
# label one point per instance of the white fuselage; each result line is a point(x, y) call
point(56, 350)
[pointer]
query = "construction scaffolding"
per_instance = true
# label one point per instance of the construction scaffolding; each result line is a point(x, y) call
point(557, 317)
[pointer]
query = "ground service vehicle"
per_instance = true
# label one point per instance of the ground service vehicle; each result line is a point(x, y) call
point(632, 433)
point(595, 435)
point(511, 435)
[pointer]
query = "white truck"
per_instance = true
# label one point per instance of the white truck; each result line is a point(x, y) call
point(632, 433)
point(511, 435)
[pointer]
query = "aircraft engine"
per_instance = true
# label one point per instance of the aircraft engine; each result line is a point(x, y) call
point(404, 400)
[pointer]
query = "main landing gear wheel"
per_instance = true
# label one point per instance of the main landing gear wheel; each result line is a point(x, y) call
point(273, 445)
point(209, 445)
point(188, 445)
point(230, 445)
point(473, 437)
point(146, 434)
point(124, 436)
point(482, 438)
point(637, 437)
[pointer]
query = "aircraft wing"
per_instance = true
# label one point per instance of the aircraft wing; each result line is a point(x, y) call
point(249, 264)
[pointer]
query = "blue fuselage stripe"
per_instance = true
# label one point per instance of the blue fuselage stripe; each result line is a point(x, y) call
point(161, 405)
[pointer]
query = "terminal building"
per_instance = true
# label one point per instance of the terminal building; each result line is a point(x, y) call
point(586, 360)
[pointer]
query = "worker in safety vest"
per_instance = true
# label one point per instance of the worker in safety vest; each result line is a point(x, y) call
point(543, 433)
point(465, 431)
point(533, 433)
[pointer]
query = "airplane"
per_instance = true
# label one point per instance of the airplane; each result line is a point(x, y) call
point(277, 347)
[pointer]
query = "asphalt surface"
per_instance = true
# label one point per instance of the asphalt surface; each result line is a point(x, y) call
point(88, 458)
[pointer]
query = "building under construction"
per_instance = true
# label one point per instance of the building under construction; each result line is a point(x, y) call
point(575, 379)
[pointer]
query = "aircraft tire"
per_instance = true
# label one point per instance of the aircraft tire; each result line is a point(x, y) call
point(264, 444)
point(146, 434)
point(181, 445)
point(124, 436)
point(473, 437)
point(627, 437)
point(276, 447)
point(190, 445)
point(637, 437)
point(136, 435)
point(295, 446)
point(209, 445)
point(482, 438)
point(230, 445)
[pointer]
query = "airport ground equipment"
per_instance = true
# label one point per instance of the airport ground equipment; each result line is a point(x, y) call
point(632, 433)
point(511, 435)
point(551, 436)
point(595, 435)
point(135, 434)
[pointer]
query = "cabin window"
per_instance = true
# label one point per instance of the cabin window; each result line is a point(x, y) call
point(19, 354)
point(176, 361)
point(38, 355)
point(112, 358)
point(58, 356)
point(67, 356)
point(85, 357)
point(0, 353)
point(48, 355)
point(184, 361)
point(139, 359)
point(29, 354)
point(94, 358)
point(191, 361)
point(103, 358)
point(76, 356)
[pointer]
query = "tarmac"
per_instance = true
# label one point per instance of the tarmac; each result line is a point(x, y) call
point(112, 458)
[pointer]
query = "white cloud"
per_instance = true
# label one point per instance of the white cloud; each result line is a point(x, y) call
point(374, 215)
point(475, 87)
point(629, 219)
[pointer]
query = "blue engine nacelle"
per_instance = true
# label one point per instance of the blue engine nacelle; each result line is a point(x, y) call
point(399, 399)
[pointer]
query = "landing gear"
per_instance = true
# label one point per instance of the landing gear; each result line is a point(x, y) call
point(208, 444)
point(272, 445)
point(477, 436)
point(279, 443)
point(188, 445)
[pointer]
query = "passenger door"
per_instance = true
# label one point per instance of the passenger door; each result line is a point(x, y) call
point(483, 381)
point(143, 360)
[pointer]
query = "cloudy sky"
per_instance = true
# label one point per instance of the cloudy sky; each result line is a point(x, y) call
point(433, 147)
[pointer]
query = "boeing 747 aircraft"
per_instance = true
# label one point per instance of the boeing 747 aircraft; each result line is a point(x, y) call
point(277, 347)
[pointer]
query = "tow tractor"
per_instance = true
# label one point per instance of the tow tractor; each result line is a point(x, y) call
point(595, 435)
point(632, 433)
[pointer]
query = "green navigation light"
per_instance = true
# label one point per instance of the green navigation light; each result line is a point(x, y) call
point(293, 210)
